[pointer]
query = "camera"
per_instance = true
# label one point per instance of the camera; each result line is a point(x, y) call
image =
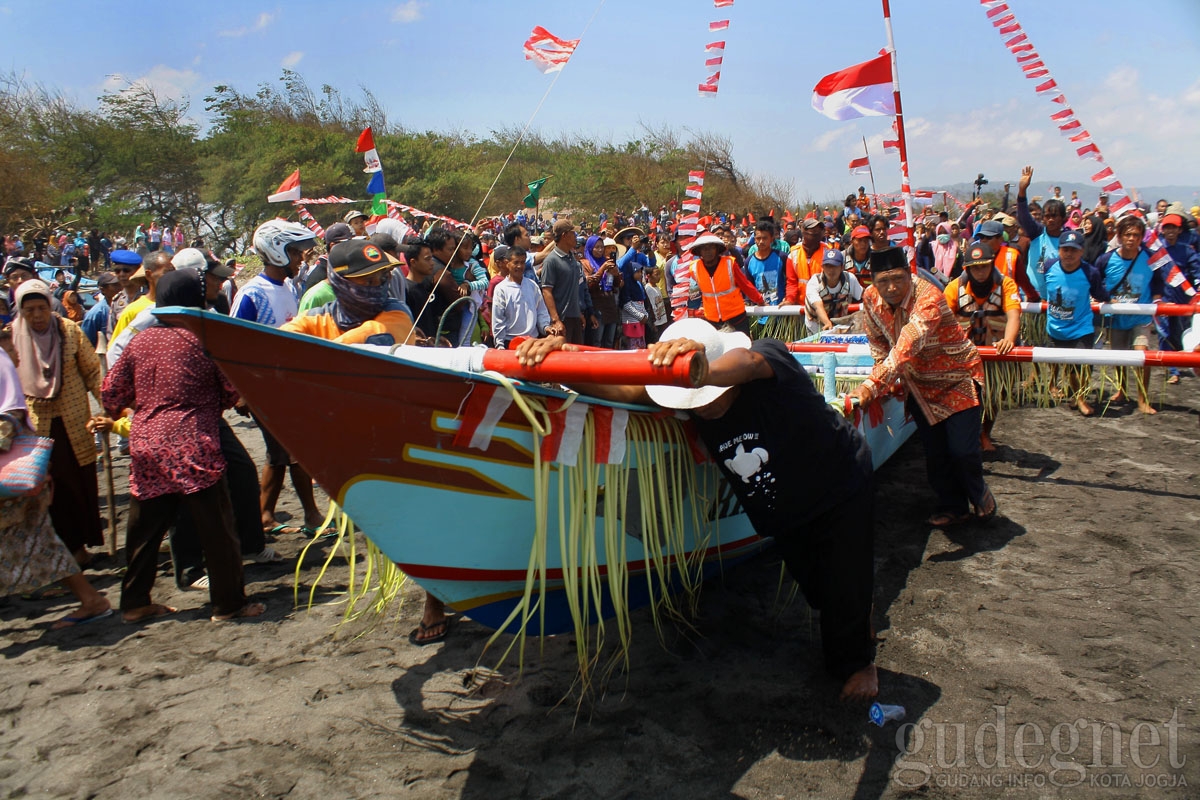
point(980, 182)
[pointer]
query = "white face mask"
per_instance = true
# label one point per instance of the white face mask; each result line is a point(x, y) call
point(943, 238)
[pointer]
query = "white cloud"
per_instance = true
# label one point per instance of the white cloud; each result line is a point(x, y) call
point(292, 59)
point(167, 82)
point(408, 11)
point(1022, 140)
point(264, 19)
point(826, 140)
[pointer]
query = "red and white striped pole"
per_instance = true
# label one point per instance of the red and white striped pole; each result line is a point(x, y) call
point(905, 188)
point(1040, 355)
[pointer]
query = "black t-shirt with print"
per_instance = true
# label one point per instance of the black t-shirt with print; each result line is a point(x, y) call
point(786, 453)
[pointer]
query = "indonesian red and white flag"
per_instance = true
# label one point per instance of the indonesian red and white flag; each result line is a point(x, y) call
point(566, 435)
point(610, 424)
point(1103, 175)
point(1042, 88)
point(860, 166)
point(483, 411)
point(710, 85)
point(722, 3)
point(1059, 116)
point(891, 146)
point(690, 205)
point(694, 191)
point(696, 176)
point(863, 90)
point(1089, 151)
point(719, 25)
point(548, 52)
point(1082, 136)
point(711, 46)
point(288, 191)
point(713, 63)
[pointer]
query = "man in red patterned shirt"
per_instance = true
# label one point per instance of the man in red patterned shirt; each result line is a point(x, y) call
point(917, 342)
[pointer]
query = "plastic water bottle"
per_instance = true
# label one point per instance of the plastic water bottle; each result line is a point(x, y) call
point(882, 714)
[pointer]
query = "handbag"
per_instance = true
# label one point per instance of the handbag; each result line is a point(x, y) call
point(23, 468)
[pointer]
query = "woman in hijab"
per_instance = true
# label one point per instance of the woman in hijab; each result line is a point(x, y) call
point(1075, 220)
point(946, 254)
point(58, 369)
point(633, 306)
point(603, 281)
point(31, 556)
point(175, 456)
point(1095, 238)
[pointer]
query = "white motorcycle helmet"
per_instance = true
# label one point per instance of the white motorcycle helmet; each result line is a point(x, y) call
point(273, 237)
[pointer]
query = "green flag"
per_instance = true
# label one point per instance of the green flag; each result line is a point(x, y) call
point(531, 199)
point(378, 205)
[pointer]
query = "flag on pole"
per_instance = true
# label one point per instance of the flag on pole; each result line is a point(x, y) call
point(860, 166)
point(891, 146)
point(376, 184)
point(535, 188)
point(862, 90)
point(288, 191)
point(548, 52)
point(696, 177)
point(719, 25)
point(366, 146)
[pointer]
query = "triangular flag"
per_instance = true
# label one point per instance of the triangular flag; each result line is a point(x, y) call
point(288, 191)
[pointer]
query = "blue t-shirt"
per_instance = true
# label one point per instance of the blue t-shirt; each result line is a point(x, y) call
point(1042, 250)
point(1127, 282)
point(1069, 295)
point(767, 276)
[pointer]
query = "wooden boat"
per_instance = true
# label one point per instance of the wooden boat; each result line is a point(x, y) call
point(377, 431)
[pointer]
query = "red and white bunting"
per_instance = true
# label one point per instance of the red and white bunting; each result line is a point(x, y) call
point(712, 46)
point(696, 177)
point(1059, 116)
point(722, 3)
point(309, 220)
point(1042, 88)
point(1082, 136)
point(1070, 127)
point(713, 63)
point(709, 87)
point(719, 25)
point(1103, 175)
point(485, 406)
point(690, 205)
point(694, 191)
point(548, 52)
point(610, 424)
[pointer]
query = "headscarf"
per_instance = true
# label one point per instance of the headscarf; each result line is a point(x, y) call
point(180, 287)
point(606, 280)
point(631, 288)
point(944, 255)
point(1096, 242)
point(1075, 220)
point(39, 354)
point(355, 304)
point(73, 306)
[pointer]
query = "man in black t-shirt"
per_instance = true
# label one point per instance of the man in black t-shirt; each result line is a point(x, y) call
point(801, 471)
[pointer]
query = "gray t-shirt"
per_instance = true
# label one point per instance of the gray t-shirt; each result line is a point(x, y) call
point(561, 274)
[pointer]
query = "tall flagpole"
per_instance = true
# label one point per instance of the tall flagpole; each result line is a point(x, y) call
point(905, 188)
point(871, 173)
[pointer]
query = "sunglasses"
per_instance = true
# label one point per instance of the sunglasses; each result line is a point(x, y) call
point(124, 269)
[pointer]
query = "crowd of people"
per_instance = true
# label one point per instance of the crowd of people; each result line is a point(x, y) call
point(614, 282)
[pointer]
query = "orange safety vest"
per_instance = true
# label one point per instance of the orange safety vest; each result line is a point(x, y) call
point(719, 292)
point(1006, 261)
point(984, 323)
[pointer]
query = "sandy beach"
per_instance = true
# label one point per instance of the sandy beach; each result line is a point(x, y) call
point(1071, 617)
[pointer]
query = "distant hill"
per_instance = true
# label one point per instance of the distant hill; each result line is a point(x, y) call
point(1088, 193)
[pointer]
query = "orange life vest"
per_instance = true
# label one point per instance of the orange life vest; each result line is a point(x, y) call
point(984, 323)
point(719, 292)
point(1006, 261)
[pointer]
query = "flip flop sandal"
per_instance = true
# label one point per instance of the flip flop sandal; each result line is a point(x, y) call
point(75, 622)
point(985, 516)
point(159, 612)
point(422, 627)
point(944, 519)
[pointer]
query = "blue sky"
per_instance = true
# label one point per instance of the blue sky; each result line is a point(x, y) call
point(1128, 70)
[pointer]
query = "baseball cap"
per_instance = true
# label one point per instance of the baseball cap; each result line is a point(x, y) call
point(716, 344)
point(501, 253)
point(991, 228)
point(339, 232)
point(1005, 220)
point(1071, 238)
point(358, 257)
point(189, 258)
point(978, 253)
point(861, 232)
point(352, 215)
point(19, 262)
point(811, 223)
point(107, 279)
point(833, 258)
point(1173, 219)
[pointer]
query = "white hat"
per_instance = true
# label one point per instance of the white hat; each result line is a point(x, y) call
point(707, 238)
point(190, 258)
point(716, 344)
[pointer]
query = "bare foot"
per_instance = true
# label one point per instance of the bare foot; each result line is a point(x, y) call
point(245, 612)
point(1146, 408)
point(1118, 397)
point(1085, 409)
point(146, 613)
point(862, 685)
point(985, 442)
